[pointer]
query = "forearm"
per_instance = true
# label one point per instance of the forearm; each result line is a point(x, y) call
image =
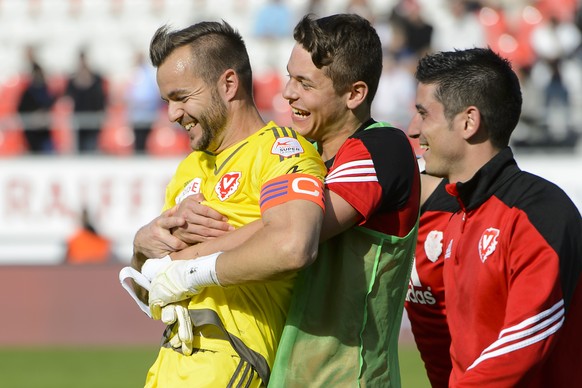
point(278, 248)
point(505, 370)
point(284, 244)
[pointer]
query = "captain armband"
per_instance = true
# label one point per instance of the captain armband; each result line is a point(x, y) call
point(288, 187)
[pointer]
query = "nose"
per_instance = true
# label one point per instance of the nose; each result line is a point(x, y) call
point(175, 111)
point(289, 91)
point(413, 130)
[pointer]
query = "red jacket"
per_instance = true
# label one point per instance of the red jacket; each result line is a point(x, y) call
point(425, 300)
point(513, 259)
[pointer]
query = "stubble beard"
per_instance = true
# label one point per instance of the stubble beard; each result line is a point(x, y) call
point(212, 122)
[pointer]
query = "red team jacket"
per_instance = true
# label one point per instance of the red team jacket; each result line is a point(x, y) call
point(513, 262)
point(425, 300)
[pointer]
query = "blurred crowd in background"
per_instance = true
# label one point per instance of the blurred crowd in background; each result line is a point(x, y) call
point(75, 76)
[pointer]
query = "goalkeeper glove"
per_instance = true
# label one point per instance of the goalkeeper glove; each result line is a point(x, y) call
point(178, 312)
point(181, 279)
point(149, 270)
point(152, 267)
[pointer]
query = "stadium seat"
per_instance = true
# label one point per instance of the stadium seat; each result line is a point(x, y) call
point(116, 137)
point(10, 91)
point(510, 38)
point(12, 140)
point(166, 139)
point(265, 87)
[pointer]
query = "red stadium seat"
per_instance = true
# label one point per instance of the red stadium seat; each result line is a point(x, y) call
point(266, 87)
point(167, 140)
point(12, 140)
point(10, 92)
point(510, 38)
point(116, 137)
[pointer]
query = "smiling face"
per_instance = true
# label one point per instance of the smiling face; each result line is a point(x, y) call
point(317, 110)
point(192, 103)
point(441, 139)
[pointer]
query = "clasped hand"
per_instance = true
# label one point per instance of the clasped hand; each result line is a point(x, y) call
point(172, 283)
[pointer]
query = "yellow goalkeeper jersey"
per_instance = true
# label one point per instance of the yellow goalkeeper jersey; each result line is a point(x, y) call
point(237, 183)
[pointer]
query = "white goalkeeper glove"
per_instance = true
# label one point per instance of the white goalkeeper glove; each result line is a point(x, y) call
point(150, 269)
point(178, 312)
point(181, 279)
point(175, 312)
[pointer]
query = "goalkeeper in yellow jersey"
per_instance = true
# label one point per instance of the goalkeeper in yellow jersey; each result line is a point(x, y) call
point(236, 299)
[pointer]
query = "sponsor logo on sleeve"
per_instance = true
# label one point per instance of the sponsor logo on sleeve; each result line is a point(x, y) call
point(286, 146)
point(488, 243)
point(227, 185)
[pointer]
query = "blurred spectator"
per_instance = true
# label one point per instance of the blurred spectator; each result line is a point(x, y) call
point(362, 8)
point(578, 23)
point(316, 7)
point(555, 43)
point(143, 101)
point(34, 107)
point(394, 101)
point(407, 17)
point(87, 89)
point(86, 245)
point(458, 27)
point(274, 20)
point(555, 40)
point(272, 27)
point(530, 132)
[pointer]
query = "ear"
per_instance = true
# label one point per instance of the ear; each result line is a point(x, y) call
point(357, 94)
point(472, 120)
point(228, 84)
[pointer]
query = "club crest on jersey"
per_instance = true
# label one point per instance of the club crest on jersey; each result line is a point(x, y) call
point(488, 243)
point(227, 185)
point(193, 187)
point(286, 146)
point(433, 245)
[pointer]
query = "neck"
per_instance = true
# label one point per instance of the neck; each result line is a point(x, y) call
point(476, 158)
point(331, 143)
point(244, 121)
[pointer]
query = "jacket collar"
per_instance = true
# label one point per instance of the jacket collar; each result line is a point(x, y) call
point(474, 192)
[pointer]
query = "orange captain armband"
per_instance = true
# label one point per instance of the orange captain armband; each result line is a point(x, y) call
point(288, 187)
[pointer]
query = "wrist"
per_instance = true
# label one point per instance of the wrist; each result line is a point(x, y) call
point(201, 272)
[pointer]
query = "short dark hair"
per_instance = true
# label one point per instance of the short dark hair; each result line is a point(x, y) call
point(346, 46)
point(478, 77)
point(216, 47)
